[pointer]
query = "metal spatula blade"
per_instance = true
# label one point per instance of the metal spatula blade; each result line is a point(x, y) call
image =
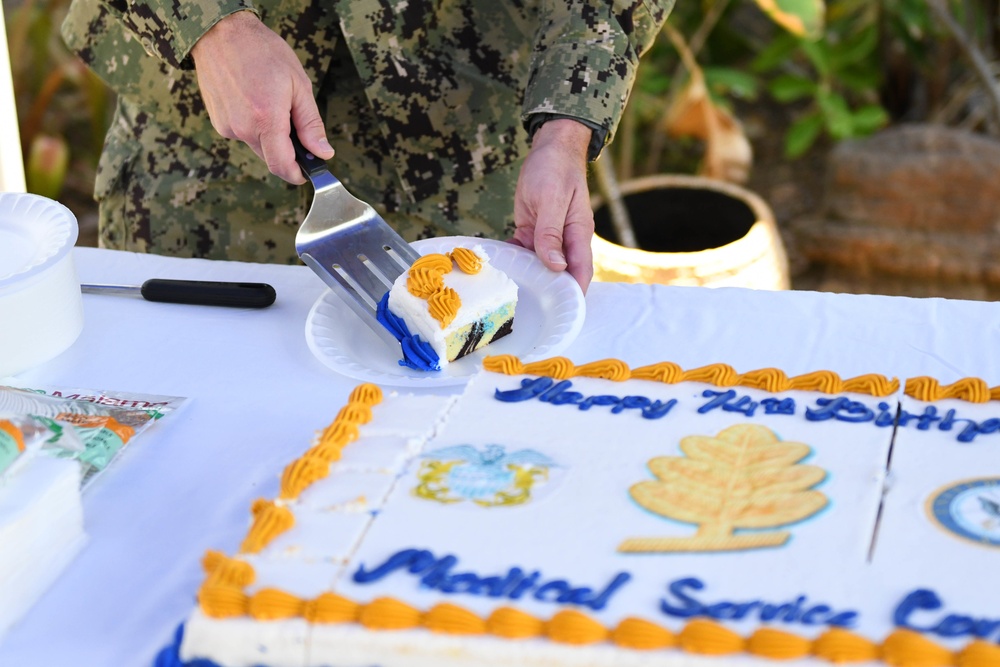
point(347, 244)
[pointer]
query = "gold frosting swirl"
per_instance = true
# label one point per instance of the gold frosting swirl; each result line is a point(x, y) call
point(979, 653)
point(511, 623)
point(709, 638)
point(331, 608)
point(467, 261)
point(222, 601)
point(225, 571)
point(454, 620)
point(366, 394)
point(872, 383)
point(389, 614)
point(269, 521)
point(642, 635)
point(559, 368)
point(339, 433)
point(433, 262)
point(909, 648)
point(300, 474)
point(777, 644)
point(571, 627)
point(444, 305)
point(837, 645)
point(973, 390)
point(721, 375)
point(507, 364)
point(826, 382)
point(355, 413)
point(271, 604)
point(767, 379)
point(424, 282)
point(608, 369)
point(665, 372)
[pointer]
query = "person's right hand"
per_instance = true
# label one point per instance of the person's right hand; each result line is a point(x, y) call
point(254, 87)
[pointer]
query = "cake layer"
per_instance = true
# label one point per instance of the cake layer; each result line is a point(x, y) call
point(600, 515)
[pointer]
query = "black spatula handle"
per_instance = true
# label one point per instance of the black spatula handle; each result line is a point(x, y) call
point(208, 293)
point(311, 165)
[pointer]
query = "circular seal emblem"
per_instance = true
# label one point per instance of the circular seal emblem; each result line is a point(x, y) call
point(969, 509)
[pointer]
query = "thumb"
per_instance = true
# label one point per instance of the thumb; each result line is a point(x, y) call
point(309, 126)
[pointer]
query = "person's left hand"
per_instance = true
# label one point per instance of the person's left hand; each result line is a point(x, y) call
point(552, 213)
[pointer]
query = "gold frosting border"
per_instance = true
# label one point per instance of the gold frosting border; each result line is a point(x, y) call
point(223, 592)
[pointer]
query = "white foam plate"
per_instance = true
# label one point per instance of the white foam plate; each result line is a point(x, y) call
point(550, 313)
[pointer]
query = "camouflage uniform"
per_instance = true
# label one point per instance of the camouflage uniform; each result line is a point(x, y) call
point(426, 102)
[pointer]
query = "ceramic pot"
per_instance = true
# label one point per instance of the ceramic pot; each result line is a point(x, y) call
point(692, 231)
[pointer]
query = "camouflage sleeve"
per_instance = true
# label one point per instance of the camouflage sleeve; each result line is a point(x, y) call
point(585, 57)
point(167, 29)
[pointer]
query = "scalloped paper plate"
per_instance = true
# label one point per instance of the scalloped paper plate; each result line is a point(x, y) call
point(550, 313)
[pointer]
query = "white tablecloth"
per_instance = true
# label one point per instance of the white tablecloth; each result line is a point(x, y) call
point(257, 396)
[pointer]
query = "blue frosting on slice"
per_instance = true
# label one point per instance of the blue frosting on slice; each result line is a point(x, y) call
point(417, 353)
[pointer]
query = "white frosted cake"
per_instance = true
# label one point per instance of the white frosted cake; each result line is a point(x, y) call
point(600, 515)
point(41, 527)
point(447, 306)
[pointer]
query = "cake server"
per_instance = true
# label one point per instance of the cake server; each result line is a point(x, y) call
point(193, 292)
point(347, 244)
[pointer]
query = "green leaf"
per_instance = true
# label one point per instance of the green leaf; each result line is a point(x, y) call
point(722, 80)
point(788, 88)
point(859, 79)
point(819, 55)
point(869, 118)
point(802, 18)
point(854, 49)
point(802, 134)
point(836, 115)
point(777, 51)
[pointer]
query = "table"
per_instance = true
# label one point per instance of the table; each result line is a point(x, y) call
point(258, 395)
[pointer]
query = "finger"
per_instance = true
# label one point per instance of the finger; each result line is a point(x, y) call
point(276, 149)
point(548, 237)
point(577, 238)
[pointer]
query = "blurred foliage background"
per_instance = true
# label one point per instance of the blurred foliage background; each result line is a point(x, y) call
point(63, 109)
point(826, 72)
point(816, 72)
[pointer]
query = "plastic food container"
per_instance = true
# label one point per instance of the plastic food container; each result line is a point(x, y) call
point(41, 308)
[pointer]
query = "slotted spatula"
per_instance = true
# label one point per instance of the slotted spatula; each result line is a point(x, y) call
point(347, 244)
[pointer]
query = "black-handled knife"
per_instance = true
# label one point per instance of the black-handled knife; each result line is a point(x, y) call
point(193, 292)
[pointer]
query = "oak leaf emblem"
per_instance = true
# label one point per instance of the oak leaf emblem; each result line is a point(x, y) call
point(742, 478)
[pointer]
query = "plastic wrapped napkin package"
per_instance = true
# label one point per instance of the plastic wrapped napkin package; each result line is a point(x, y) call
point(40, 302)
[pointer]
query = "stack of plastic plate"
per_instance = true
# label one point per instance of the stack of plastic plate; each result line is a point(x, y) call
point(41, 309)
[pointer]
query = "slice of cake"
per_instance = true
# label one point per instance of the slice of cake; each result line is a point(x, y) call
point(448, 306)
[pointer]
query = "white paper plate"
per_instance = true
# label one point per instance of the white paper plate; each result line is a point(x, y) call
point(40, 301)
point(549, 316)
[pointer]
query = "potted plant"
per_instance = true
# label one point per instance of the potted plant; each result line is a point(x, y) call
point(706, 229)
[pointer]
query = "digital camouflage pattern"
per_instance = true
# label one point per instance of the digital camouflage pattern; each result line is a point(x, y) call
point(425, 102)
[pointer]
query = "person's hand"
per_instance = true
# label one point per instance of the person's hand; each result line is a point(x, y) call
point(552, 213)
point(254, 87)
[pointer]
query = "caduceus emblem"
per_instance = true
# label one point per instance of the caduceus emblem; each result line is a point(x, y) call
point(488, 478)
